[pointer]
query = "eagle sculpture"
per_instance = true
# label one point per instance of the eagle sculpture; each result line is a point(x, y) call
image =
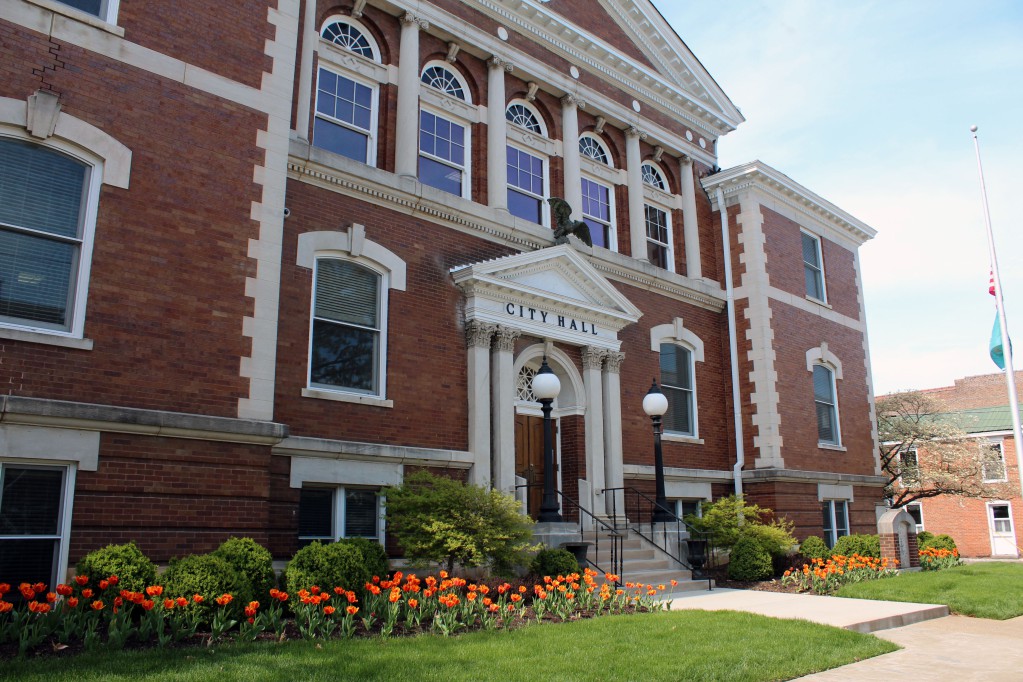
point(564, 225)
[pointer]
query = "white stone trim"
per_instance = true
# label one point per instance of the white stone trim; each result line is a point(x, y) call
point(352, 244)
point(821, 355)
point(687, 490)
point(830, 491)
point(51, 445)
point(338, 396)
point(344, 472)
point(673, 332)
point(867, 366)
point(106, 22)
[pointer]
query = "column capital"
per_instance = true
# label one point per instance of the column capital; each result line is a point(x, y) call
point(613, 362)
point(593, 357)
point(478, 334)
point(357, 8)
point(633, 131)
point(496, 62)
point(506, 337)
point(685, 160)
point(573, 100)
point(409, 19)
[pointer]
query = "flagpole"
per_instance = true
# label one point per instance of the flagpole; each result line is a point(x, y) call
point(1010, 374)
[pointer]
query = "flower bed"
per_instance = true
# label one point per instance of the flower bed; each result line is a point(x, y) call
point(88, 617)
point(824, 577)
point(937, 558)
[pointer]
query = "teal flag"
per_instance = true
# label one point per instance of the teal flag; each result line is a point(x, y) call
point(997, 353)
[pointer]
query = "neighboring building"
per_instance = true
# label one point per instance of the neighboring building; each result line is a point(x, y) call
point(258, 257)
point(980, 526)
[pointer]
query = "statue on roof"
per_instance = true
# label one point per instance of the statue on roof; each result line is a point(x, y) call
point(564, 225)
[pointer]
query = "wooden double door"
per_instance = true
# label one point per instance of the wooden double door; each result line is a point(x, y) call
point(529, 457)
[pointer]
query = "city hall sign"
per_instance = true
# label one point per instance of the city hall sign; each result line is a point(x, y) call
point(551, 293)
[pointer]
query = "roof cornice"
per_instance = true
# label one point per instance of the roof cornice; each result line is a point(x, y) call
point(759, 177)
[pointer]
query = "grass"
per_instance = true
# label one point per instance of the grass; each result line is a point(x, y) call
point(983, 590)
point(687, 645)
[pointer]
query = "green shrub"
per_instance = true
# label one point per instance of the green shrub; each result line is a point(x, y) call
point(133, 569)
point(814, 548)
point(729, 518)
point(208, 575)
point(864, 545)
point(253, 563)
point(749, 561)
point(923, 537)
point(942, 541)
point(554, 562)
point(437, 519)
point(374, 556)
point(328, 566)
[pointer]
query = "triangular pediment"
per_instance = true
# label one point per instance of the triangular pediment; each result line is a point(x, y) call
point(551, 292)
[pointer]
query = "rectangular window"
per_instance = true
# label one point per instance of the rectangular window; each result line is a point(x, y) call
point(916, 511)
point(323, 511)
point(441, 153)
point(658, 247)
point(525, 185)
point(597, 212)
point(824, 399)
point(836, 520)
point(32, 532)
point(677, 385)
point(43, 199)
point(103, 9)
point(684, 508)
point(346, 328)
point(344, 116)
point(812, 268)
point(993, 464)
point(909, 470)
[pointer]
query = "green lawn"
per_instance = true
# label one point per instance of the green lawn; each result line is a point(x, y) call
point(681, 645)
point(983, 590)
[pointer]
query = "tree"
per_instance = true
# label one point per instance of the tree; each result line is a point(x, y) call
point(925, 452)
point(437, 519)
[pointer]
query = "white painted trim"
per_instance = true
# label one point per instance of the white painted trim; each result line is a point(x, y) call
point(1005, 467)
point(455, 118)
point(374, 112)
point(820, 260)
point(991, 526)
point(545, 208)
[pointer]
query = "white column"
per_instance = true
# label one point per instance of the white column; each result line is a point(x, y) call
point(570, 147)
point(310, 37)
point(497, 134)
point(614, 469)
point(593, 359)
point(477, 341)
point(690, 222)
point(503, 405)
point(407, 134)
point(637, 217)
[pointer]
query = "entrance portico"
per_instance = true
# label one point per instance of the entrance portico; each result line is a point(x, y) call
point(572, 314)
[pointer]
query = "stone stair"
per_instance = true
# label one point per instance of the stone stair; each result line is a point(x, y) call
point(644, 563)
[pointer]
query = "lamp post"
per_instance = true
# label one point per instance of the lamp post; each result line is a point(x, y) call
point(546, 387)
point(655, 404)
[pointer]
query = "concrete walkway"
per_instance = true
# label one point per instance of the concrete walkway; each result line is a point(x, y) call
point(935, 644)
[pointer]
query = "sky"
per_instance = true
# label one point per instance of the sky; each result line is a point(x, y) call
point(869, 105)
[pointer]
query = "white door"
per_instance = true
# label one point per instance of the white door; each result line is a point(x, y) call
point(1003, 538)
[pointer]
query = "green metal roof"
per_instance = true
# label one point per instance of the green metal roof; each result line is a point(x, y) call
point(986, 419)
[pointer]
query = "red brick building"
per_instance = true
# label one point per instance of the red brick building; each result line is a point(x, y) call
point(255, 262)
point(980, 526)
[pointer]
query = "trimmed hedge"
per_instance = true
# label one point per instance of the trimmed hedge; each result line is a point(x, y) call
point(814, 548)
point(864, 545)
point(942, 541)
point(554, 562)
point(208, 575)
point(749, 561)
point(133, 569)
point(374, 557)
point(253, 563)
point(333, 565)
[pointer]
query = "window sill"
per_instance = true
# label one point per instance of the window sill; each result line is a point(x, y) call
point(79, 15)
point(679, 438)
point(44, 338)
point(346, 397)
point(831, 446)
point(823, 304)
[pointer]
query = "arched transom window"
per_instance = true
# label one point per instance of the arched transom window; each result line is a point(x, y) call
point(652, 176)
point(591, 148)
point(524, 118)
point(442, 79)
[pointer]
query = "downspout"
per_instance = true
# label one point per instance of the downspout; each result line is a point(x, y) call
point(733, 348)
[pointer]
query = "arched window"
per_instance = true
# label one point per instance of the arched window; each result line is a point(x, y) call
point(527, 165)
point(652, 176)
point(349, 37)
point(588, 146)
point(519, 115)
point(597, 195)
point(442, 79)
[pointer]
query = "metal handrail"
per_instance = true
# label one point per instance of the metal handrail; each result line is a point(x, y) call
point(599, 526)
point(641, 514)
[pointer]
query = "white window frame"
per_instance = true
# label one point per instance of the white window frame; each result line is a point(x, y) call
point(79, 284)
point(355, 67)
point(832, 535)
point(833, 376)
point(676, 333)
point(904, 480)
point(604, 175)
point(536, 144)
point(920, 510)
point(107, 12)
point(820, 266)
point(990, 445)
point(461, 112)
point(661, 200)
point(338, 512)
point(63, 534)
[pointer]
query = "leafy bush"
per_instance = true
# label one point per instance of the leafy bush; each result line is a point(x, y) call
point(374, 556)
point(554, 562)
point(721, 519)
point(814, 548)
point(208, 575)
point(438, 519)
point(253, 563)
point(337, 564)
point(133, 568)
point(939, 542)
point(749, 560)
point(923, 537)
point(864, 545)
